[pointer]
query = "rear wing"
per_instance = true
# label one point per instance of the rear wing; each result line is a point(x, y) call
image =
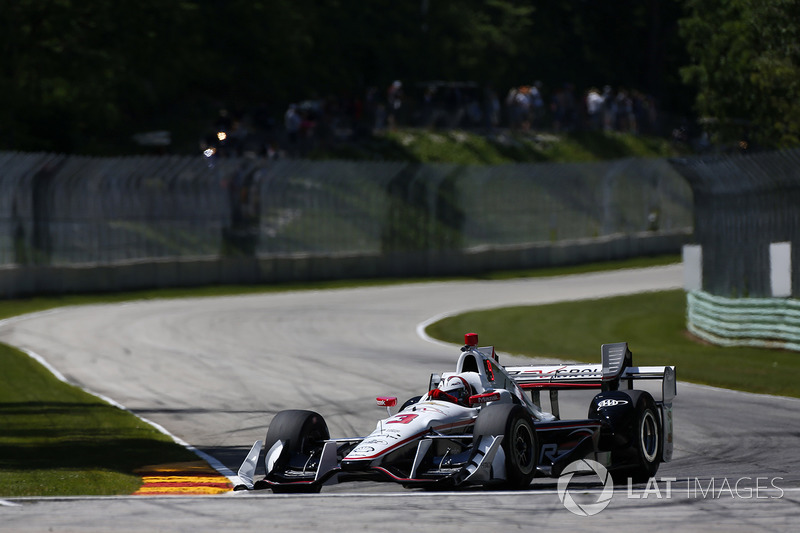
point(616, 369)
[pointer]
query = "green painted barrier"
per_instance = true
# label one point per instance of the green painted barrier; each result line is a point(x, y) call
point(764, 322)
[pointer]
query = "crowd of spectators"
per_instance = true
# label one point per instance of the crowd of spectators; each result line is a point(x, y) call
point(608, 110)
point(306, 124)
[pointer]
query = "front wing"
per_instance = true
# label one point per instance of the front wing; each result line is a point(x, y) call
point(480, 462)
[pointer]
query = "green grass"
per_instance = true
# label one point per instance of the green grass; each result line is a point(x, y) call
point(653, 324)
point(56, 439)
point(468, 148)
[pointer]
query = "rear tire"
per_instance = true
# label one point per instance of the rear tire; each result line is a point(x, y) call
point(520, 443)
point(645, 443)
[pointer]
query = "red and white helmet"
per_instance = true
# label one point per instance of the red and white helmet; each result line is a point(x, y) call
point(458, 388)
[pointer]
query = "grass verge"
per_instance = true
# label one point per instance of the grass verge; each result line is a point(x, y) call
point(653, 324)
point(57, 440)
point(496, 148)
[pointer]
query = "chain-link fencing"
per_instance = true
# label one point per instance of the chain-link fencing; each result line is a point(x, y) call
point(69, 210)
point(743, 203)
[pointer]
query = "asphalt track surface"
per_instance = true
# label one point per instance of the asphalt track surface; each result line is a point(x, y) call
point(213, 372)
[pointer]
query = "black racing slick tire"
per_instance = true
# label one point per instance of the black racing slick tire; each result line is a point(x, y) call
point(303, 433)
point(520, 442)
point(646, 441)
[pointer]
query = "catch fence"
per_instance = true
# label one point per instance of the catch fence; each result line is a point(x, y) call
point(742, 204)
point(70, 210)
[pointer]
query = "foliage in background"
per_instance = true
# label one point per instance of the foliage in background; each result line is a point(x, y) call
point(745, 63)
point(81, 77)
point(74, 72)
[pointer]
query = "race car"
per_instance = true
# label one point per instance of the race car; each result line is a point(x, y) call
point(482, 425)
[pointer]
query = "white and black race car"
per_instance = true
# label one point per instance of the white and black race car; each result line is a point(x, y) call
point(477, 426)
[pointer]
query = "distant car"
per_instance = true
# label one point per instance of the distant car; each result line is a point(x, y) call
point(477, 426)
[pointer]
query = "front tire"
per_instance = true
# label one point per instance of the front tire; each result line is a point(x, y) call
point(303, 434)
point(520, 443)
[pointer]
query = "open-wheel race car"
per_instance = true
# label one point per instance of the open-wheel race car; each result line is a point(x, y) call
point(477, 426)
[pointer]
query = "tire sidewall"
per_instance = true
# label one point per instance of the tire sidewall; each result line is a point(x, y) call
point(299, 429)
point(648, 440)
point(644, 437)
point(520, 432)
point(514, 423)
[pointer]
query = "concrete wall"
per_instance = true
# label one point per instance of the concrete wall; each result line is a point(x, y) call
point(16, 281)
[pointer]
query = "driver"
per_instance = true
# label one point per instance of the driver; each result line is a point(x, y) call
point(454, 389)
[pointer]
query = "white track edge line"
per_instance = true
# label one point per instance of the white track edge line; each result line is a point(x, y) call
point(213, 461)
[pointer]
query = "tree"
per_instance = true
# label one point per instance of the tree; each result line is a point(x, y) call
point(73, 73)
point(746, 67)
point(81, 76)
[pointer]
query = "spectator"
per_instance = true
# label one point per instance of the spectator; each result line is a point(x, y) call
point(511, 108)
point(524, 102)
point(564, 108)
point(537, 105)
point(428, 113)
point(626, 121)
point(571, 106)
point(594, 108)
point(292, 121)
point(519, 104)
point(394, 100)
point(609, 109)
point(492, 103)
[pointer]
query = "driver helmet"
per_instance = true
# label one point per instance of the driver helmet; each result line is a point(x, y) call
point(455, 389)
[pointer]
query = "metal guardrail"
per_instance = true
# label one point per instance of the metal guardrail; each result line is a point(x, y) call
point(70, 210)
point(763, 322)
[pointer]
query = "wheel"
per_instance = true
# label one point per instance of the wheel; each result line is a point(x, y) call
point(302, 431)
point(303, 434)
point(645, 449)
point(520, 443)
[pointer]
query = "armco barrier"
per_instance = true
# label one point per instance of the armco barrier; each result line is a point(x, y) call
point(764, 322)
point(195, 271)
